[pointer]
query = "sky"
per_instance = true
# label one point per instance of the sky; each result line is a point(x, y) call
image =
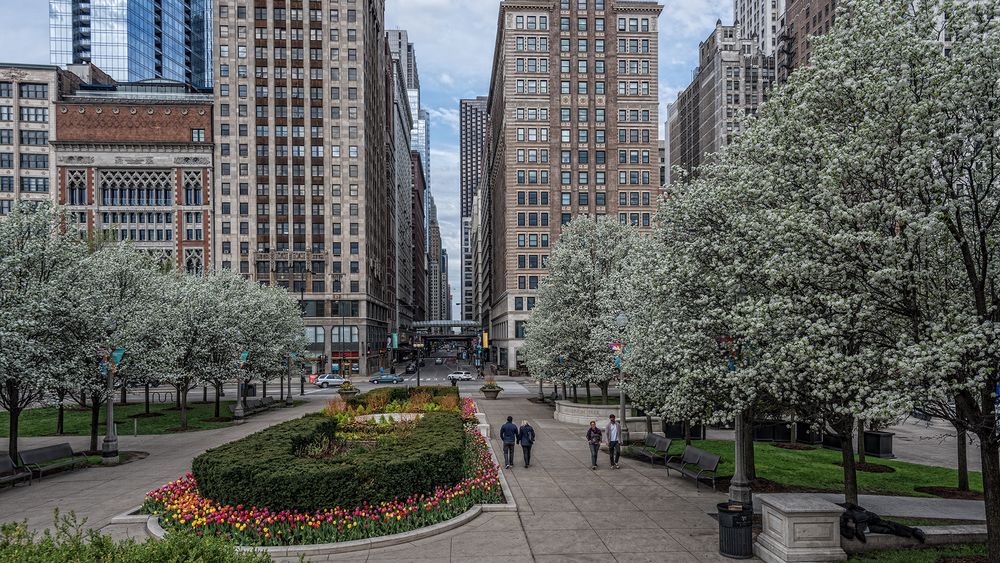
point(454, 42)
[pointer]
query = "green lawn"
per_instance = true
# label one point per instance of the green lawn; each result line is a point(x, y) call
point(930, 555)
point(817, 470)
point(42, 421)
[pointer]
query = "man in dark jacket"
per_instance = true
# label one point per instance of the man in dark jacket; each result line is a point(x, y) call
point(508, 435)
point(526, 437)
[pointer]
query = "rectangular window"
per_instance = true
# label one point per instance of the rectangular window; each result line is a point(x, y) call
point(34, 91)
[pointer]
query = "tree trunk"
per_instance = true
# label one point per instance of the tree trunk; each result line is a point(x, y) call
point(147, 398)
point(95, 421)
point(861, 442)
point(991, 490)
point(218, 399)
point(263, 388)
point(60, 420)
point(184, 412)
point(178, 396)
point(204, 394)
point(564, 391)
point(124, 393)
point(749, 454)
point(963, 460)
point(575, 399)
point(604, 392)
point(587, 387)
point(847, 459)
point(14, 417)
point(687, 432)
point(649, 425)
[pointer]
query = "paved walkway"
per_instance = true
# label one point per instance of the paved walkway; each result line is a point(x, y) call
point(100, 493)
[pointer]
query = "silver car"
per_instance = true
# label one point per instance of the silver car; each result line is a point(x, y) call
point(460, 376)
point(329, 380)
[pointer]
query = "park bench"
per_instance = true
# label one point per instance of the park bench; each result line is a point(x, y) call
point(10, 473)
point(655, 447)
point(553, 397)
point(254, 406)
point(696, 464)
point(50, 458)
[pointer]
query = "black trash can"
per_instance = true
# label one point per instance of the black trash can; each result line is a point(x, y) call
point(735, 530)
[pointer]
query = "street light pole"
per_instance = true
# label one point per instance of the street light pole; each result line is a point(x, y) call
point(238, 409)
point(109, 452)
point(621, 320)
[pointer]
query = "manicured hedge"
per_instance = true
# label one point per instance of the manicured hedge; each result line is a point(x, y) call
point(402, 394)
point(263, 469)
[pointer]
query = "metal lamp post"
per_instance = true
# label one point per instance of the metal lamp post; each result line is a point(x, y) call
point(238, 409)
point(109, 449)
point(739, 486)
point(288, 396)
point(621, 321)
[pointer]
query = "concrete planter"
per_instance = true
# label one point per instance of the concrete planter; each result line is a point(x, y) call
point(348, 394)
point(798, 528)
point(490, 394)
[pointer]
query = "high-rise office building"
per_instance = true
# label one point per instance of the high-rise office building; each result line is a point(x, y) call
point(758, 21)
point(402, 177)
point(573, 106)
point(133, 40)
point(304, 194)
point(732, 79)
point(474, 120)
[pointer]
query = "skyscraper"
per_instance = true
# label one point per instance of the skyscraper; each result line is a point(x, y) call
point(732, 79)
point(135, 40)
point(304, 197)
point(758, 21)
point(474, 121)
point(573, 107)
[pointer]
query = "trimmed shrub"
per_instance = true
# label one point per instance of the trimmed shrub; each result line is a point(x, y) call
point(401, 394)
point(263, 469)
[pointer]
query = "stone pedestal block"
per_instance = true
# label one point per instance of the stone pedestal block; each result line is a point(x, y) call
point(798, 529)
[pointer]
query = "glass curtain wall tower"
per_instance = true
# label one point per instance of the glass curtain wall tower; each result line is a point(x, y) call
point(135, 40)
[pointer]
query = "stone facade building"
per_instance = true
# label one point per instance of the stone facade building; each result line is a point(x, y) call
point(732, 79)
point(304, 193)
point(474, 120)
point(573, 131)
point(134, 161)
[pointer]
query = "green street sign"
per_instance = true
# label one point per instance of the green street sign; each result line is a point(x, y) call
point(243, 357)
point(117, 356)
point(395, 340)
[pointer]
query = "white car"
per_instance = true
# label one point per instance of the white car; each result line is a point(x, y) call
point(329, 380)
point(460, 376)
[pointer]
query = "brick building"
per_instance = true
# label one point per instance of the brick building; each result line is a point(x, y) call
point(135, 161)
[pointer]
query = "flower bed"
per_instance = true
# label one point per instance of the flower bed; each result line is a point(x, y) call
point(181, 507)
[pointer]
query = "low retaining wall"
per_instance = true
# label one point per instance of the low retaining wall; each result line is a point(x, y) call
point(154, 530)
point(936, 535)
point(575, 413)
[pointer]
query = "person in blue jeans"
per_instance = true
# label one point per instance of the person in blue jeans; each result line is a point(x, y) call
point(594, 441)
point(614, 432)
point(508, 435)
point(526, 437)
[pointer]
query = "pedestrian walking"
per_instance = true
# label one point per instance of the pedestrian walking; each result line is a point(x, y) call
point(526, 437)
point(594, 441)
point(508, 435)
point(614, 432)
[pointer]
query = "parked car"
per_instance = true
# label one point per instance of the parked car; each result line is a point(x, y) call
point(460, 376)
point(355, 368)
point(438, 361)
point(386, 378)
point(329, 380)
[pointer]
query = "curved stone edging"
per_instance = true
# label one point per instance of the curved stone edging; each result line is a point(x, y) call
point(575, 413)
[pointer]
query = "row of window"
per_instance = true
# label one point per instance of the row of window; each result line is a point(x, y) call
point(30, 114)
point(30, 161)
point(524, 304)
point(532, 261)
point(293, 14)
point(29, 90)
point(532, 240)
point(581, 5)
point(28, 184)
point(34, 138)
point(582, 24)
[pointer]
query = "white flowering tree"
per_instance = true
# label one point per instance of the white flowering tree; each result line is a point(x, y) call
point(35, 249)
point(572, 326)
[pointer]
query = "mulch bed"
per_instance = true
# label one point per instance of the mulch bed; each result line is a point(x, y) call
point(950, 493)
point(871, 467)
point(796, 447)
point(147, 415)
point(124, 457)
point(964, 559)
point(219, 419)
point(761, 486)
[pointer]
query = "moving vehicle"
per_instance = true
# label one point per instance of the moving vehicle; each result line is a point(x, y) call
point(411, 368)
point(329, 380)
point(460, 376)
point(438, 361)
point(386, 378)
